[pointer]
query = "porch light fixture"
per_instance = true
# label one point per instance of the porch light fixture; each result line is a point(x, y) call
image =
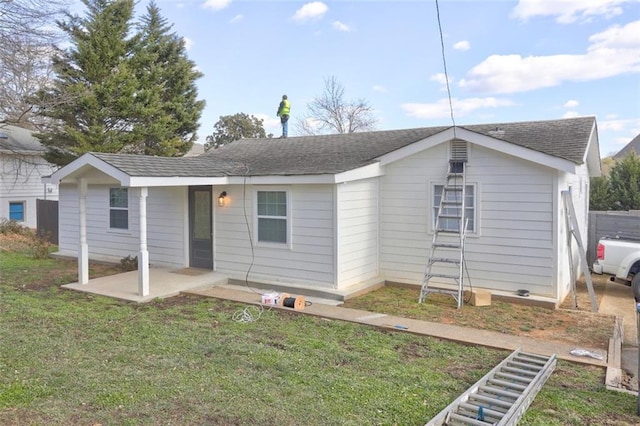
point(221, 198)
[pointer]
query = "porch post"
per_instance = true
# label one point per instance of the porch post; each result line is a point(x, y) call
point(143, 254)
point(83, 252)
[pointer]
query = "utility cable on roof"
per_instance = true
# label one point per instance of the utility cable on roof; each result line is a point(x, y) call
point(446, 75)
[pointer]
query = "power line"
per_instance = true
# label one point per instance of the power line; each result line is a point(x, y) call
point(446, 75)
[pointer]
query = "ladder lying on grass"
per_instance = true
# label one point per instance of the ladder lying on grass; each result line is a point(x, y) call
point(503, 395)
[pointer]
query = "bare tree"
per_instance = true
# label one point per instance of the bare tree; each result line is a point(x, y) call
point(28, 33)
point(25, 68)
point(330, 113)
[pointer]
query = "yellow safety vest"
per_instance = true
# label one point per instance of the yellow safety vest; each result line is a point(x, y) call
point(285, 107)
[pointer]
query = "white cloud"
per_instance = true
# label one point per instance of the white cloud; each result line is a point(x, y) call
point(439, 78)
point(570, 114)
point(313, 10)
point(617, 37)
point(462, 45)
point(440, 109)
point(341, 27)
point(571, 104)
point(236, 19)
point(188, 43)
point(612, 52)
point(378, 88)
point(216, 4)
point(568, 11)
point(271, 124)
point(617, 125)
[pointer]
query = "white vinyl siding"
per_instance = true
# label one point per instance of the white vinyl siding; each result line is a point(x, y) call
point(308, 258)
point(579, 184)
point(357, 231)
point(513, 246)
point(166, 215)
point(21, 182)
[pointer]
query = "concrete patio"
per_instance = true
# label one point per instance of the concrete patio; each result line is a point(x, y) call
point(167, 282)
point(163, 283)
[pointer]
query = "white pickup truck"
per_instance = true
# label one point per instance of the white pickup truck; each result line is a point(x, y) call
point(620, 258)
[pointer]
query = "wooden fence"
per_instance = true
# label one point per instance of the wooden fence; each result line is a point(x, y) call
point(47, 220)
point(611, 224)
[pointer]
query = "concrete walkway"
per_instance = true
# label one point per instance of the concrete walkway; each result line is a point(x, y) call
point(444, 331)
point(618, 301)
point(620, 361)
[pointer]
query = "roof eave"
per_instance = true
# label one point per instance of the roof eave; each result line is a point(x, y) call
point(72, 171)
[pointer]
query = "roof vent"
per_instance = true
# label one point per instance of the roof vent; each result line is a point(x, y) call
point(497, 132)
point(458, 149)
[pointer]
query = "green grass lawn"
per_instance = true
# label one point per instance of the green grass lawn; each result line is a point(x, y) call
point(70, 358)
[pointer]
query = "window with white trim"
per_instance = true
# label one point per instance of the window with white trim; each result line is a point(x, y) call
point(272, 217)
point(119, 208)
point(16, 211)
point(450, 224)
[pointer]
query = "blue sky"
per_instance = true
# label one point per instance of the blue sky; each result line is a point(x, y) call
point(506, 60)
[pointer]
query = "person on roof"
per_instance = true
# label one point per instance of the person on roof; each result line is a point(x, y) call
point(283, 113)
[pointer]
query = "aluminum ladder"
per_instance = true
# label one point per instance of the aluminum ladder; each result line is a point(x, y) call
point(573, 229)
point(446, 259)
point(503, 395)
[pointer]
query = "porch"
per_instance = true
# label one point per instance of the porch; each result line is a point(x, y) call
point(163, 283)
point(169, 282)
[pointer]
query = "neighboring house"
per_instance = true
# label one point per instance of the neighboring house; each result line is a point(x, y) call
point(195, 150)
point(633, 146)
point(22, 168)
point(343, 210)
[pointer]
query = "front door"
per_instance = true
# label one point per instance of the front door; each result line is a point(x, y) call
point(200, 227)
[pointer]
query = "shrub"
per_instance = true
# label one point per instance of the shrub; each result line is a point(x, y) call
point(39, 247)
point(12, 227)
point(129, 263)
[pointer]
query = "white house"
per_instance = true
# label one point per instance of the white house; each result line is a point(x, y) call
point(22, 168)
point(336, 211)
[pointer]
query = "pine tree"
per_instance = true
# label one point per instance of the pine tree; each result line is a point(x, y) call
point(93, 95)
point(600, 198)
point(120, 93)
point(624, 183)
point(167, 108)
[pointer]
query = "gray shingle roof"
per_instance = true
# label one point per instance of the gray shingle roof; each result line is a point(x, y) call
point(18, 140)
point(326, 154)
point(633, 146)
point(330, 154)
point(566, 138)
point(148, 166)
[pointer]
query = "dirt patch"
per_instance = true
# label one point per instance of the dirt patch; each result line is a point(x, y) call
point(581, 301)
point(12, 242)
point(571, 325)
